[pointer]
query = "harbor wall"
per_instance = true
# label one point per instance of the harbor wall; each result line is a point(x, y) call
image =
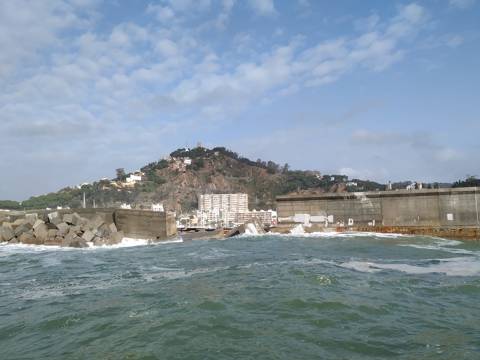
point(137, 224)
point(426, 209)
point(146, 224)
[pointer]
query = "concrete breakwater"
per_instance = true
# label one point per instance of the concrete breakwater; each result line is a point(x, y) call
point(452, 213)
point(80, 227)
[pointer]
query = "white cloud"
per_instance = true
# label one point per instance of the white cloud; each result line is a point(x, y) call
point(462, 4)
point(154, 78)
point(29, 27)
point(189, 5)
point(162, 13)
point(263, 7)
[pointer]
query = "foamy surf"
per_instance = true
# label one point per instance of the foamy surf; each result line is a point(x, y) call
point(462, 266)
point(443, 245)
point(6, 248)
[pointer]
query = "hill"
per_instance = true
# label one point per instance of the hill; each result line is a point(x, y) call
point(176, 181)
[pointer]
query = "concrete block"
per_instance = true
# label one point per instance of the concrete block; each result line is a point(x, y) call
point(13, 241)
point(7, 224)
point(51, 226)
point(56, 241)
point(29, 238)
point(6, 233)
point(96, 222)
point(88, 235)
point(55, 218)
point(116, 238)
point(63, 229)
point(24, 227)
point(68, 218)
point(76, 219)
point(103, 231)
point(17, 223)
point(72, 240)
point(31, 218)
point(41, 232)
point(113, 228)
point(38, 223)
point(52, 233)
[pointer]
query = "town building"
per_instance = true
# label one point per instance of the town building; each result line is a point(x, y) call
point(157, 207)
point(236, 203)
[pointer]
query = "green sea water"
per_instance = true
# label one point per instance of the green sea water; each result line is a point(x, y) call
point(344, 296)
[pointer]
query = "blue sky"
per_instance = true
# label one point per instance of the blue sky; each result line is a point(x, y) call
point(384, 90)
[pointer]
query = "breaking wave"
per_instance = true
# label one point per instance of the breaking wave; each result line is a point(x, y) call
point(6, 248)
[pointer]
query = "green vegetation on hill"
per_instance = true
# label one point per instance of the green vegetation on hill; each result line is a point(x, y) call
point(177, 183)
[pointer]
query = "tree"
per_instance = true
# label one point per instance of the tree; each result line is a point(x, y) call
point(286, 168)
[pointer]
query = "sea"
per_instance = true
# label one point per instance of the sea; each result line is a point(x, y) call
point(317, 296)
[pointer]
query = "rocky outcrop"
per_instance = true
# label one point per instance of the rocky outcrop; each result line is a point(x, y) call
point(70, 230)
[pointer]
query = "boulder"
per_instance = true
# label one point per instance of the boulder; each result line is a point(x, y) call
point(73, 240)
point(38, 223)
point(7, 224)
point(88, 235)
point(51, 226)
point(41, 232)
point(63, 229)
point(103, 231)
point(55, 218)
point(68, 218)
point(77, 230)
point(78, 220)
point(6, 233)
point(115, 238)
point(24, 227)
point(31, 218)
point(52, 233)
point(96, 222)
point(113, 228)
point(29, 238)
point(17, 223)
point(55, 241)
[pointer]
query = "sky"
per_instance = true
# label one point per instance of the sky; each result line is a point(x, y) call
point(374, 89)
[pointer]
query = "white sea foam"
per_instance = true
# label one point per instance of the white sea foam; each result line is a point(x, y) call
point(7, 249)
point(173, 274)
point(462, 266)
point(443, 245)
point(298, 231)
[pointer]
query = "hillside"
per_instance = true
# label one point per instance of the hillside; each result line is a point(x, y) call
point(177, 181)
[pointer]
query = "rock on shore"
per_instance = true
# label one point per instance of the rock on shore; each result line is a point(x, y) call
point(70, 230)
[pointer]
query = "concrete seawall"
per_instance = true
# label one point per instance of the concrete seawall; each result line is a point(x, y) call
point(437, 212)
point(138, 224)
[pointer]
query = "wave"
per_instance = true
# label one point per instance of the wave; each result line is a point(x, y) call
point(7, 249)
point(462, 266)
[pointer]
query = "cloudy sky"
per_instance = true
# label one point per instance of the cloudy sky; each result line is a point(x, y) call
point(385, 90)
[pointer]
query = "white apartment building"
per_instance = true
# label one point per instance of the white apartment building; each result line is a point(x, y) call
point(235, 203)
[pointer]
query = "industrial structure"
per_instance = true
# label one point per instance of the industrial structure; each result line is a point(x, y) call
point(441, 212)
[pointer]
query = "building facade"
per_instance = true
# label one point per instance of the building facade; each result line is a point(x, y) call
point(235, 203)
